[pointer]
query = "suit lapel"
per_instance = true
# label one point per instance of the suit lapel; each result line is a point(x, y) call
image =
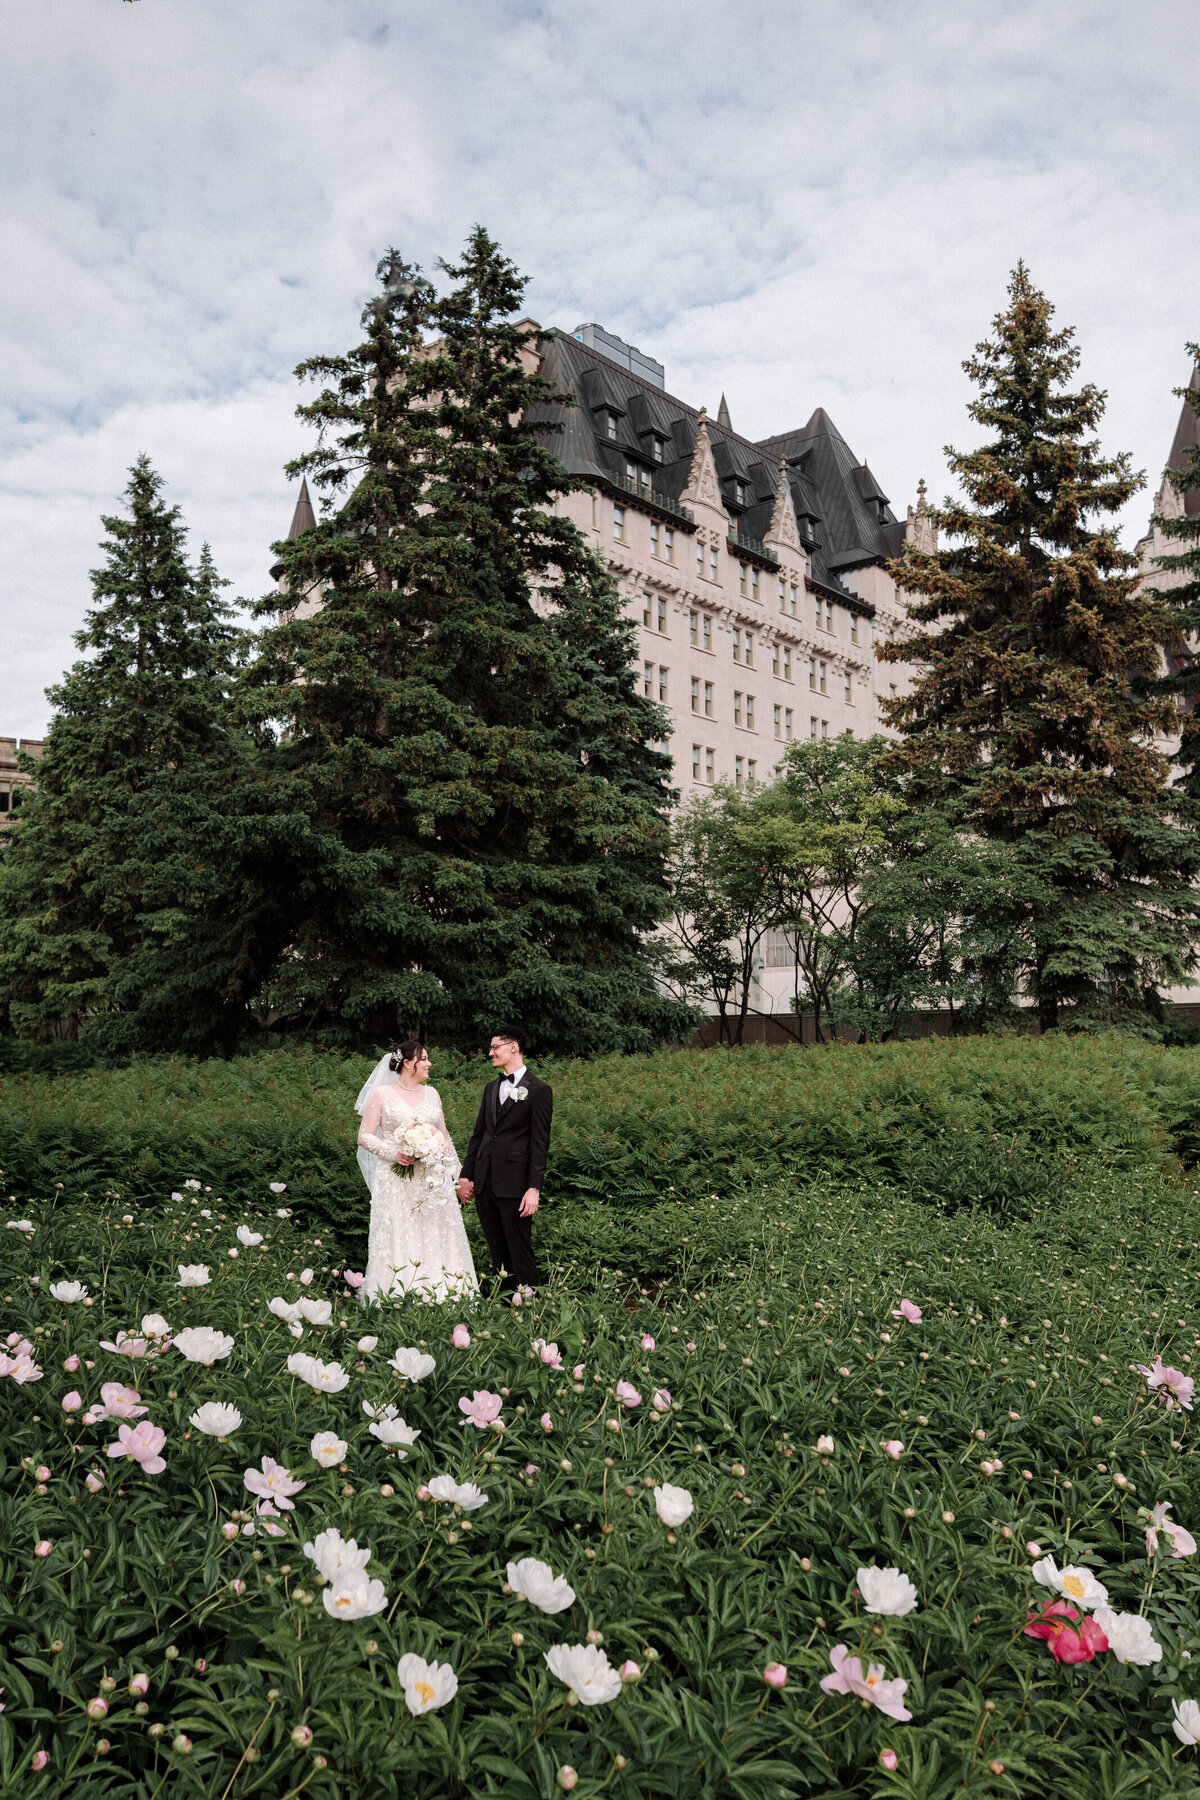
point(492, 1093)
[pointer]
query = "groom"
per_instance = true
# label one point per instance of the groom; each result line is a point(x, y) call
point(505, 1162)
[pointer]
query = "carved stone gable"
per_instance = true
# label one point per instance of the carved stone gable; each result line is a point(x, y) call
point(703, 488)
point(783, 529)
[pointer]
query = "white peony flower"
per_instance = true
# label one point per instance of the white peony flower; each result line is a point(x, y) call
point(1129, 1636)
point(247, 1237)
point(414, 1365)
point(216, 1419)
point(395, 1432)
point(25, 1225)
point(824, 1446)
point(673, 1504)
point(155, 1326)
point(306, 1276)
point(283, 1212)
point(887, 1591)
point(316, 1312)
point(67, 1291)
point(335, 1555)
point(192, 1183)
point(327, 1448)
point(426, 1685)
point(536, 1582)
point(277, 1187)
point(380, 1412)
point(201, 1344)
point(323, 1378)
point(468, 1496)
point(1186, 1724)
point(1077, 1585)
point(586, 1671)
point(288, 1311)
point(193, 1275)
point(365, 1345)
point(353, 1595)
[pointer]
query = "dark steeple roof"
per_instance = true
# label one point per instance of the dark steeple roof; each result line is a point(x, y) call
point(304, 518)
point(841, 510)
point(1187, 438)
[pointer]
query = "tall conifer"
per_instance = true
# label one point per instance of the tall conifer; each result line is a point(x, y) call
point(454, 680)
point(1029, 715)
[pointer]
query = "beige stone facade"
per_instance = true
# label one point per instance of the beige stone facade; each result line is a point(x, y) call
point(13, 779)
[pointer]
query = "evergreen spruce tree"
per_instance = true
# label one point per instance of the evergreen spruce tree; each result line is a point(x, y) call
point(114, 873)
point(454, 684)
point(1181, 601)
point(1030, 715)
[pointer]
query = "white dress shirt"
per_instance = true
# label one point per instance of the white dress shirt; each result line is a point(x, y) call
point(510, 1084)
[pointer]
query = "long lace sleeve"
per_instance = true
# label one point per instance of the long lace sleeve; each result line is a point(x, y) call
point(378, 1146)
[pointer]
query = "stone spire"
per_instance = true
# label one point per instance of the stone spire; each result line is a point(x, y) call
point(783, 529)
point(920, 531)
point(304, 518)
point(723, 417)
point(703, 488)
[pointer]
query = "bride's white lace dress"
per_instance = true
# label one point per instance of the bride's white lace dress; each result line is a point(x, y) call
point(416, 1240)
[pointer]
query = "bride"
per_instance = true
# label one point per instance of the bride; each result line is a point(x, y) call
point(416, 1241)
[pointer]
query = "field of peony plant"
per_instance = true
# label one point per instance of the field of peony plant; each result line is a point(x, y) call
point(876, 1502)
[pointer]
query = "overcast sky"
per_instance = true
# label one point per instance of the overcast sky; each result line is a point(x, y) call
point(797, 203)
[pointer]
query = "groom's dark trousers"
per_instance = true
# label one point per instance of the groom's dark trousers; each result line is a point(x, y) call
point(506, 1156)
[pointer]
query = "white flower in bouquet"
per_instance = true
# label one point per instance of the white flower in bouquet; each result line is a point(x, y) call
point(414, 1365)
point(452, 1493)
point(394, 1432)
point(536, 1582)
point(193, 1275)
point(247, 1237)
point(216, 1419)
point(323, 1378)
point(423, 1143)
point(673, 1504)
point(426, 1685)
point(335, 1555)
point(887, 1591)
point(327, 1448)
point(202, 1344)
point(586, 1671)
point(353, 1595)
point(68, 1291)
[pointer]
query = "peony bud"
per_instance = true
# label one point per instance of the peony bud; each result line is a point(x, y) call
point(97, 1708)
point(889, 1759)
point(775, 1675)
point(567, 1778)
point(43, 1548)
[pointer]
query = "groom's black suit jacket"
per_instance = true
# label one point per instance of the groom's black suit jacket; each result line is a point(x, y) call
point(509, 1144)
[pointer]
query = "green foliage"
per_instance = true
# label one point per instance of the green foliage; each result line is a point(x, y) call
point(488, 826)
point(1032, 714)
point(773, 1325)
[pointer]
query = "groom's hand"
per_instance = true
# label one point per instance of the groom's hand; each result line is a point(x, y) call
point(529, 1203)
point(465, 1190)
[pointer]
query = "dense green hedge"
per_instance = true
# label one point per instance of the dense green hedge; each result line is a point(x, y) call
point(1000, 1121)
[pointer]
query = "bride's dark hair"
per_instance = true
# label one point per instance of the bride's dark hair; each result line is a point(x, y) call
point(405, 1052)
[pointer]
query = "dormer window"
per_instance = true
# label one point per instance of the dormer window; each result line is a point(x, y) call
point(739, 493)
point(610, 424)
point(659, 449)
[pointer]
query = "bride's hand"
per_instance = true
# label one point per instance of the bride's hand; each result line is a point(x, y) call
point(406, 1162)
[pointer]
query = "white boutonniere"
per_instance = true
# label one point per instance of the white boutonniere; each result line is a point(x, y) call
point(521, 1093)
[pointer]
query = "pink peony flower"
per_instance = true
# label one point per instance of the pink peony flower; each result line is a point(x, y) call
point(42, 1472)
point(577, 1372)
point(71, 1363)
point(273, 1482)
point(775, 1675)
point(889, 1759)
point(628, 1395)
point(43, 1547)
point(661, 1399)
point(630, 1671)
point(647, 1342)
point(39, 1760)
point(229, 1530)
point(547, 1422)
point(72, 1402)
point(141, 1443)
point(848, 1678)
point(93, 1481)
point(1171, 1386)
point(992, 1467)
point(126, 1346)
point(422, 1492)
point(352, 1278)
point(1182, 1542)
point(460, 1337)
point(1071, 1637)
point(894, 1448)
point(482, 1409)
point(550, 1354)
point(120, 1402)
point(906, 1310)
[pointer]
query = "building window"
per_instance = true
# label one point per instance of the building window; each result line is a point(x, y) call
point(648, 679)
point(646, 612)
point(661, 611)
point(749, 650)
point(781, 951)
point(847, 689)
point(751, 770)
point(754, 584)
point(737, 707)
point(695, 694)
point(695, 762)
point(708, 699)
point(699, 558)
point(610, 424)
point(892, 689)
point(707, 632)
point(792, 606)
point(812, 672)
point(829, 615)
point(712, 562)
point(662, 685)
point(821, 673)
point(668, 544)
point(824, 728)
point(812, 727)
point(739, 493)
point(738, 770)
point(818, 610)
point(854, 628)
point(619, 524)
point(709, 758)
point(737, 645)
point(654, 537)
point(749, 712)
point(782, 594)
point(774, 659)
point(787, 723)
point(691, 627)
point(787, 662)
point(658, 449)
point(742, 578)
point(779, 721)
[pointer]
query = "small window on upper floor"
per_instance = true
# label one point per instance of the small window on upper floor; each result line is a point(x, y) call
point(659, 449)
point(739, 493)
point(610, 424)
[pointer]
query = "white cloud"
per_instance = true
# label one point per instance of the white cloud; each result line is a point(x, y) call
point(797, 205)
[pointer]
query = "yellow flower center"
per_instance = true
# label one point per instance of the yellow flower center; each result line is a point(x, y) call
point(872, 1680)
point(1073, 1586)
point(425, 1691)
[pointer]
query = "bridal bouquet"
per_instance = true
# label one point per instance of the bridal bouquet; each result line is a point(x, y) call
point(423, 1143)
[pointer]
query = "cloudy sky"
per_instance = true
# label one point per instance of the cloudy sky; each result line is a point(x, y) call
point(797, 203)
